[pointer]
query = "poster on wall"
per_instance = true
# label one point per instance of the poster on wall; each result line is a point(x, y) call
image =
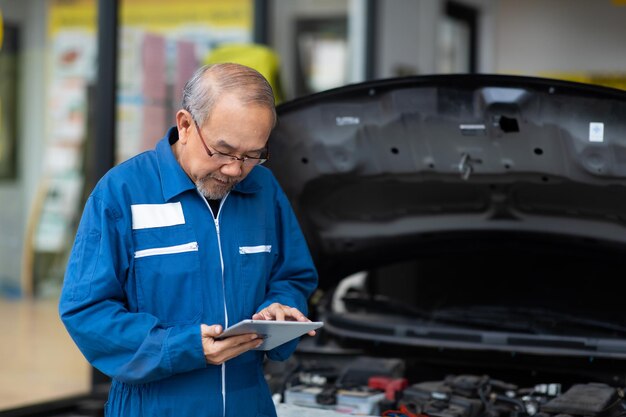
point(161, 42)
point(72, 69)
point(164, 42)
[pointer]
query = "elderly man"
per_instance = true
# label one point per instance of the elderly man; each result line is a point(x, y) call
point(180, 242)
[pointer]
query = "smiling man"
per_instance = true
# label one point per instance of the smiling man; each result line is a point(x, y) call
point(180, 242)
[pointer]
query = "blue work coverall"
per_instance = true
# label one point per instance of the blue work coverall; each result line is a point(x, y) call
point(150, 264)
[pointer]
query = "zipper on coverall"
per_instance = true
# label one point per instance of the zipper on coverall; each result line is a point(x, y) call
point(219, 245)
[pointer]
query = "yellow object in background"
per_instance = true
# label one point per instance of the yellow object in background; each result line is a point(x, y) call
point(613, 80)
point(157, 16)
point(71, 14)
point(260, 57)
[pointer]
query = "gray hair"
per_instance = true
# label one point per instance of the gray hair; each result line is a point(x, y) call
point(210, 81)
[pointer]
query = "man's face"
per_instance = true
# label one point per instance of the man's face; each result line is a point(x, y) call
point(233, 129)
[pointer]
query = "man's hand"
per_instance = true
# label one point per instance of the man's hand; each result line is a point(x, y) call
point(280, 312)
point(217, 352)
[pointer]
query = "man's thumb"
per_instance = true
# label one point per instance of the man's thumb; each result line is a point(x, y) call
point(210, 331)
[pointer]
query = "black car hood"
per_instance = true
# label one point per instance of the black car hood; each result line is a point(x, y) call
point(390, 166)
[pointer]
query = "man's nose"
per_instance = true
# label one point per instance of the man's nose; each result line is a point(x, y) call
point(233, 169)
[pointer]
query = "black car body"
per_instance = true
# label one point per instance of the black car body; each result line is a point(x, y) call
point(481, 221)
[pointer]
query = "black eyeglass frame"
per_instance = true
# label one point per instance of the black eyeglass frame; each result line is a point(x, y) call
point(245, 160)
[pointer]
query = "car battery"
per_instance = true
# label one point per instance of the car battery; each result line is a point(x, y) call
point(359, 401)
point(312, 396)
point(303, 395)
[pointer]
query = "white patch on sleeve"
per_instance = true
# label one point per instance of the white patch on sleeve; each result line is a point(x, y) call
point(185, 247)
point(146, 216)
point(245, 250)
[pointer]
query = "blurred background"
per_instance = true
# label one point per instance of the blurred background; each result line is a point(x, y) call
point(57, 135)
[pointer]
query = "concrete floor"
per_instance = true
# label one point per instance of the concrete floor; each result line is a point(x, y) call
point(38, 360)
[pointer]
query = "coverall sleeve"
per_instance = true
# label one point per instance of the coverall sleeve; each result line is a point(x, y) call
point(131, 347)
point(294, 277)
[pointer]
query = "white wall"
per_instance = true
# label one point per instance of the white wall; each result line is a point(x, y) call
point(17, 196)
point(534, 37)
point(408, 31)
point(406, 37)
point(538, 36)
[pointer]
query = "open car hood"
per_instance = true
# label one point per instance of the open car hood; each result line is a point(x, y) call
point(374, 165)
point(502, 198)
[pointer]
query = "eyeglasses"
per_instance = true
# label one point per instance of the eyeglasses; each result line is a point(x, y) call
point(225, 158)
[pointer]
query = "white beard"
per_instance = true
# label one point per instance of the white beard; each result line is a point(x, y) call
point(216, 191)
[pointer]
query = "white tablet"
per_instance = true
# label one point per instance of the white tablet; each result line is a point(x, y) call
point(274, 332)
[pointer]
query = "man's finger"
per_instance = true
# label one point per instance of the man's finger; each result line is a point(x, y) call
point(232, 346)
point(297, 314)
point(261, 315)
point(279, 314)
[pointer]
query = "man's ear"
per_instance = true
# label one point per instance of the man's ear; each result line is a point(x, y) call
point(184, 124)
